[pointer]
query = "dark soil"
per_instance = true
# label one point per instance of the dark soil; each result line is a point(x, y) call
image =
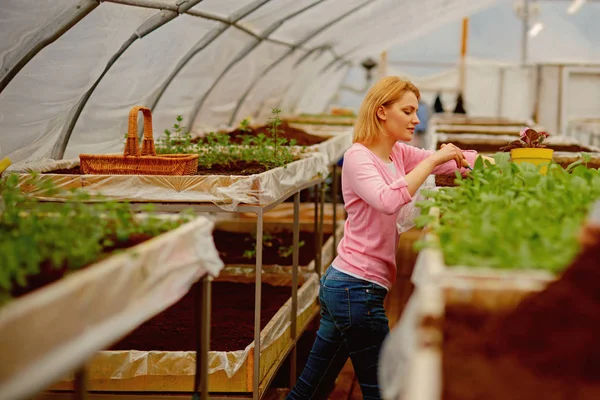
point(546, 348)
point(232, 245)
point(66, 171)
point(492, 148)
point(445, 180)
point(301, 137)
point(238, 168)
point(50, 273)
point(232, 320)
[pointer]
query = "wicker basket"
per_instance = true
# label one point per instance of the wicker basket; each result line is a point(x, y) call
point(132, 163)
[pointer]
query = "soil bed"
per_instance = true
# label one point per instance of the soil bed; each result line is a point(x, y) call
point(232, 245)
point(284, 130)
point(232, 320)
point(494, 148)
point(49, 274)
point(237, 168)
point(546, 348)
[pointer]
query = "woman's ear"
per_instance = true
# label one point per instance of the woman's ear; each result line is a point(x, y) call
point(381, 113)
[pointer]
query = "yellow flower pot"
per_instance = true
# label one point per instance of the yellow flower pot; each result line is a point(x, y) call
point(534, 156)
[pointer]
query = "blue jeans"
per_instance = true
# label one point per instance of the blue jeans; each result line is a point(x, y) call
point(353, 324)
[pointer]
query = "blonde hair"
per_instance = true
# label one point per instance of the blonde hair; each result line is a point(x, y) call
point(384, 93)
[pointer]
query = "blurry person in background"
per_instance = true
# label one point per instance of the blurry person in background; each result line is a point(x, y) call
point(423, 115)
point(380, 175)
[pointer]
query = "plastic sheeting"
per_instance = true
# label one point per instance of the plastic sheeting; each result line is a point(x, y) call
point(336, 146)
point(223, 190)
point(133, 80)
point(54, 330)
point(213, 64)
point(119, 365)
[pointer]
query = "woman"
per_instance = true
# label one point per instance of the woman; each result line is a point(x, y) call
point(379, 176)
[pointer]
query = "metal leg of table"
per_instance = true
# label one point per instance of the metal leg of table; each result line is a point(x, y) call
point(319, 262)
point(81, 384)
point(334, 196)
point(257, 300)
point(317, 251)
point(202, 321)
point(295, 262)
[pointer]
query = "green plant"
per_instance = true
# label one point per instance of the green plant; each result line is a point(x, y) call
point(528, 138)
point(275, 121)
point(60, 236)
point(286, 251)
point(510, 216)
point(217, 148)
point(176, 141)
point(245, 125)
point(271, 241)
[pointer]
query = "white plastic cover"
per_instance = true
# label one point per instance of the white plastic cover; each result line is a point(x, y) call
point(131, 81)
point(336, 146)
point(173, 67)
point(52, 331)
point(223, 190)
point(34, 107)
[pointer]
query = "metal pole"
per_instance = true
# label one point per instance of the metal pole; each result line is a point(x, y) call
point(257, 299)
point(295, 259)
point(320, 233)
point(315, 231)
point(334, 194)
point(524, 33)
point(81, 384)
point(463, 55)
point(500, 110)
point(206, 305)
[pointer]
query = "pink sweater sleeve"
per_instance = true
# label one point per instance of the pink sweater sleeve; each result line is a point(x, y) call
point(413, 156)
point(370, 186)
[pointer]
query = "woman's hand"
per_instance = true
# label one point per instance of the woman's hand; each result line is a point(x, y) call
point(449, 152)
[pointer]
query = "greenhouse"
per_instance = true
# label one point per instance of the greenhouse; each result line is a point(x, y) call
point(299, 199)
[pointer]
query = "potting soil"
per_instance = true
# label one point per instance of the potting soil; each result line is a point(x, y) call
point(546, 348)
point(232, 320)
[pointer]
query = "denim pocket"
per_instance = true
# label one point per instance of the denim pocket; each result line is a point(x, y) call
point(337, 303)
point(377, 318)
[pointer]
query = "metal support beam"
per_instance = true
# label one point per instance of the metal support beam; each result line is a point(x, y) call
point(81, 384)
point(302, 42)
point(202, 321)
point(242, 54)
point(524, 40)
point(257, 302)
point(150, 25)
point(15, 61)
point(294, 313)
point(334, 197)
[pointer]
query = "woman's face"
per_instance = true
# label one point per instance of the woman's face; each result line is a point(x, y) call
point(400, 118)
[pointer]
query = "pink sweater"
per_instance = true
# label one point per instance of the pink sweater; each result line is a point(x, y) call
point(373, 197)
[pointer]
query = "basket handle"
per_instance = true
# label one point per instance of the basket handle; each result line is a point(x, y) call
point(132, 145)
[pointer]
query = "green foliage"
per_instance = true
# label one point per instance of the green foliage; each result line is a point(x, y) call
point(176, 141)
point(245, 125)
point(219, 150)
point(511, 216)
point(271, 241)
point(65, 235)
